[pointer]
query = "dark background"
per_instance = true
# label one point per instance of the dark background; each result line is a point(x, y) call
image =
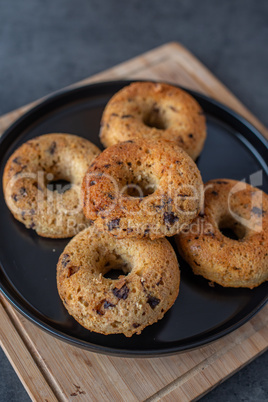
point(46, 45)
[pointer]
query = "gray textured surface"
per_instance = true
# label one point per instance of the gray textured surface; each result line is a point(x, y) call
point(45, 45)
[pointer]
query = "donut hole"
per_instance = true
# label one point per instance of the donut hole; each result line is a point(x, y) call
point(115, 266)
point(154, 119)
point(228, 232)
point(231, 228)
point(59, 185)
point(140, 186)
point(114, 273)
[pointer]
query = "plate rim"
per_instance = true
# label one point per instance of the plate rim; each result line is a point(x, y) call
point(111, 351)
point(60, 96)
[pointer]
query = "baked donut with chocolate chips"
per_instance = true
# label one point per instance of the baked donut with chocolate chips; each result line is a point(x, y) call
point(237, 257)
point(28, 183)
point(142, 189)
point(154, 111)
point(147, 287)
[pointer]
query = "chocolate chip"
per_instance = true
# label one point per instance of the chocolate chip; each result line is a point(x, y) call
point(104, 304)
point(160, 282)
point(16, 160)
point(146, 231)
point(183, 195)
point(214, 192)
point(126, 116)
point(108, 304)
point(210, 234)
point(121, 293)
point(129, 164)
point(22, 168)
point(119, 162)
point(257, 211)
point(170, 218)
point(153, 301)
point(190, 135)
point(107, 166)
point(32, 211)
point(14, 197)
point(100, 208)
point(52, 148)
point(65, 260)
point(32, 225)
point(135, 325)
point(221, 182)
point(72, 270)
point(196, 263)
point(92, 183)
point(110, 196)
point(201, 214)
point(159, 206)
point(113, 224)
point(173, 108)
point(129, 230)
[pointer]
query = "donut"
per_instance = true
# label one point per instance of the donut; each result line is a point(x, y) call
point(147, 288)
point(142, 189)
point(154, 111)
point(30, 197)
point(240, 261)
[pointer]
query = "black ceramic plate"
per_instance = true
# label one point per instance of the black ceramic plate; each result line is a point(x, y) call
point(201, 314)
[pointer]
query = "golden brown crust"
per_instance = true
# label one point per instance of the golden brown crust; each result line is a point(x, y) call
point(229, 262)
point(138, 166)
point(138, 109)
point(125, 305)
point(29, 170)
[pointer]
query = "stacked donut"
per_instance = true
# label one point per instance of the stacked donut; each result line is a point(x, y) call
point(143, 187)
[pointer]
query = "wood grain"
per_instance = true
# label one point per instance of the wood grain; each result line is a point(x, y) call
point(52, 370)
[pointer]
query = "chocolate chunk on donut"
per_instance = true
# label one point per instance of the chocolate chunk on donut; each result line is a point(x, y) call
point(121, 293)
point(153, 301)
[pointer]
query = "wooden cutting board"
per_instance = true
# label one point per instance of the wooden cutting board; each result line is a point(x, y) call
point(52, 370)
